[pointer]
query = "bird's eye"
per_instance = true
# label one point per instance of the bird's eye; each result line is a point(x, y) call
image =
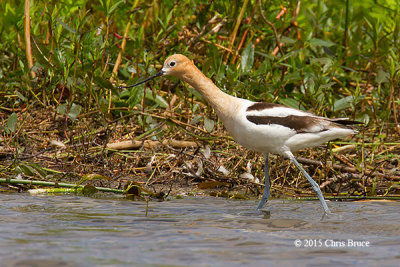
point(172, 63)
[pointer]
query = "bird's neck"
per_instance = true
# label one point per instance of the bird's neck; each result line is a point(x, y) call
point(222, 103)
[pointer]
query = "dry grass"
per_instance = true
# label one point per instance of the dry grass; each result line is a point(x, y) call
point(56, 149)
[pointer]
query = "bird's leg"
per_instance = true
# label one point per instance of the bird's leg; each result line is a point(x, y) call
point(266, 181)
point(312, 182)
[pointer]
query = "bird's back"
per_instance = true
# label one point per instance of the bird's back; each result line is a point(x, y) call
point(274, 128)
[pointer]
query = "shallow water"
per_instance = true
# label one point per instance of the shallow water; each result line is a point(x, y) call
point(70, 230)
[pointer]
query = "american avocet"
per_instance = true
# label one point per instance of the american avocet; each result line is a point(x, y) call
point(262, 127)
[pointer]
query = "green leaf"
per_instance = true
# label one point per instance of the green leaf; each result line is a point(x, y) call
point(113, 7)
point(322, 61)
point(62, 109)
point(169, 16)
point(74, 111)
point(32, 170)
point(101, 82)
point(105, 4)
point(21, 96)
point(287, 40)
point(196, 120)
point(364, 118)
point(148, 119)
point(38, 170)
point(158, 99)
point(65, 26)
point(91, 177)
point(290, 102)
point(319, 42)
point(328, 85)
point(382, 76)
point(26, 170)
point(343, 103)
point(42, 54)
point(247, 58)
point(195, 108)
point(12, 122)
point(21, 65)
point(89, 190)
point(209, 124)
point(136, 95)
point(162, 25)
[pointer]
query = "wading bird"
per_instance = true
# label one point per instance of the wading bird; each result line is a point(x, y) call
point(261, 127)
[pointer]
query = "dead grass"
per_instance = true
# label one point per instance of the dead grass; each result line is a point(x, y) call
point(47, 146)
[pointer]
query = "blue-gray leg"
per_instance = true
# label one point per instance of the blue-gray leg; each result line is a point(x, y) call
point(312, 182)
point(266, 182)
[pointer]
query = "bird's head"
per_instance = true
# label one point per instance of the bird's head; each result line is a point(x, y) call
point(174, 65)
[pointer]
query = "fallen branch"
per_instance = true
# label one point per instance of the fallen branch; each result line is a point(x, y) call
point(342, 178)
point(132, 144)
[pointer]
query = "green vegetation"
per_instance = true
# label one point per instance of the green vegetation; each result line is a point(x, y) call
point(59, 106)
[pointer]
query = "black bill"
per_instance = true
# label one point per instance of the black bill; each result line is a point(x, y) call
point(160, 73)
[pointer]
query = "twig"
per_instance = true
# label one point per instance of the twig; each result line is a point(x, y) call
point(123, 44)
point(297, 10)
point(277, 38)
point(293, 21)
point(217, 45)
point(341, 179)
point(132, 144)
point(394, 107)
point(345, 161)
point(27, 31)
point(34, 155)
point(121, 51)
point(241, 41)
point(203, 33)
point(236, 28)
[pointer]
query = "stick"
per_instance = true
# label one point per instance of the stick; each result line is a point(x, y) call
point(123, 44)
point(277, 39)
point(236, 28)
point(131, 144)
point(27, 31)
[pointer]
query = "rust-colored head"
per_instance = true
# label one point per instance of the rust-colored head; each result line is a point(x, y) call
point(176, 65)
